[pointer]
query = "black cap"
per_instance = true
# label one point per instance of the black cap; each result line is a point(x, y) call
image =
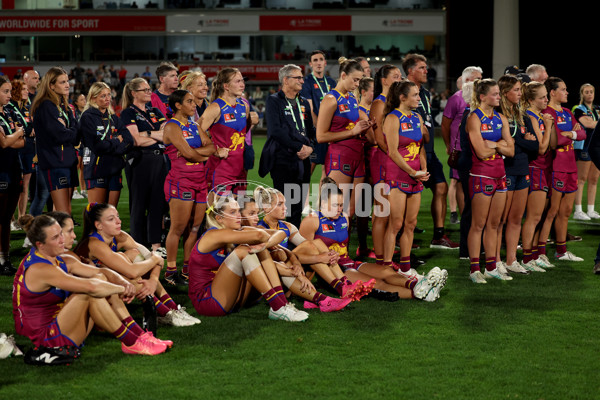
point(513, 70)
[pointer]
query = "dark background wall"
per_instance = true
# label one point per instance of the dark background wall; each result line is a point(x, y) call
point(564, 39)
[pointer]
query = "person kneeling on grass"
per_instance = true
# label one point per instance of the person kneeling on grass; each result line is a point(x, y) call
point(224, 258)
point(55, 304)
point(287, 265)
point(102, 240)
point(331, 226)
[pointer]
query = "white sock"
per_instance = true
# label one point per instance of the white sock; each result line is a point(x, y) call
point(590, 208)
point(578, 208)
point(2, 259)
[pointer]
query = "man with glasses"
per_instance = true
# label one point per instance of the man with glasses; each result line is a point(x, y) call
point(290, 130)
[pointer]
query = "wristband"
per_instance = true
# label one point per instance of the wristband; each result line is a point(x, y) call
point(574, 135)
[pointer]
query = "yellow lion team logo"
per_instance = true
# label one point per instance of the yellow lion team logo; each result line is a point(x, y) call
point(350, 126)
point(236, 140)
point(568, 147)
point(413, 151)
point(341, 250)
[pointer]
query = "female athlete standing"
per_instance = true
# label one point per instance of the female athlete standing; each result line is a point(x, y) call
point(384, 77)
point(12, 138)
point(56, 132)
point(405, 169)
point(105, 141)
point(365, 96)
point(146, 167)
point(490, 140)
point(535, 98)
point(586, 113)
point(185, 188)
point(339, 124)
point(564, 169)
point(227, 119)
point(517, 170)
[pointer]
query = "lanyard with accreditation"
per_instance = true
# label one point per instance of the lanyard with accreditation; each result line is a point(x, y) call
point(291, 108)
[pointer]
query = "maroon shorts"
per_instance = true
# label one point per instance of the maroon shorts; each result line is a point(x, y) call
point(376, 164)
point(405, 186)
point(185, 189)
point(539, 180)
point(487, 186)
point(348, 263)
point(564, 182)
point(348, 163)
point(227, 174)
point(51, 336)
point(206, 304)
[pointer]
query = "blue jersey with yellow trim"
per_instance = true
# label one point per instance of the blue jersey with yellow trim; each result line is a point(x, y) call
point(282, 226)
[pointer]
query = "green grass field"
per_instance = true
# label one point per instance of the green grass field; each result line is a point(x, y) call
point(530, 338)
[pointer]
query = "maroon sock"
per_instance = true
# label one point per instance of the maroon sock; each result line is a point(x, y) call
point(125, 335)
point(490, 263)
point(185, 270)
point(534, 252)
point(168, 301)
point(527, 255)
point(161, 309)
point(404, 264)
point(318, 298)
point(132, 326)
point(337, 284)
point(411, 282)
point(275, 298)
point(541, 248)
point(561, 247)
point(475, 265)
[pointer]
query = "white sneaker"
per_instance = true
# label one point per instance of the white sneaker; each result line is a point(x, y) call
point(422, 288)
point(545, 260)
point(14, 226)
point(77, 195)
point(533, 266)
point(8, 347)
point(501, 267)
point(84, 194)
point(175, 318)
point(593, 214)
point(581, 216)
point(27, 243)
point(568, 256)
point(497, 275)
point(300, 312)
point(438, 278)
point(410, 273)
point(185, 314)
point(161, 251)
point(517, 268)
point(287, 313)
point(477, 277)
